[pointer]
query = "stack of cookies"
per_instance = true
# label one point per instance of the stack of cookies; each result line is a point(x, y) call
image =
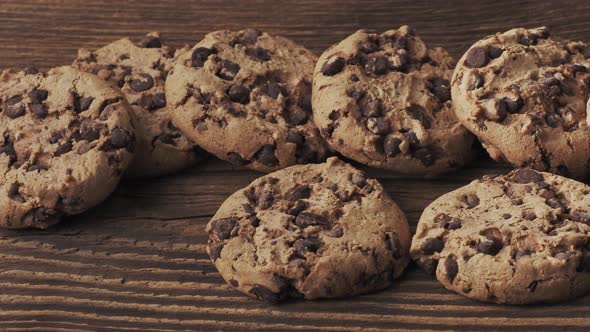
point(314, 230)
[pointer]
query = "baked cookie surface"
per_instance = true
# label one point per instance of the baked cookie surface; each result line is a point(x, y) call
point(66, 139)
point(246, 98)
point(518, 238)
point(384, 100)
point(524, 94)
point(309, 231)
point(140, 72)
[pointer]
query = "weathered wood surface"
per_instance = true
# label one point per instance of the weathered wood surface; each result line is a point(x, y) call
point(138, 261)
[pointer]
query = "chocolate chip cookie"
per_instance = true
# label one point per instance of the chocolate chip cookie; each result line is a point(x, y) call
point(517, 238)
point(307, 232)
point(524, 93)
point(65, 140)
point(246, 98)
point(384, 100)
point(140, 72)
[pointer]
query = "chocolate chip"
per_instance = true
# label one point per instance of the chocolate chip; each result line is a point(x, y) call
point(295, 138)
point(305, 219)
point(64, 148)
point(527, 39)
point(532, 286)
point(305, 102)
point(236, 159)
point(90, 134)
point(238, 93)
point(215, 251)
point(336, 231)
point(377, 65)
point(472, 200)
point(513, 106)
point(296, 117)
point(200, 56)
point(580, 216)
point(272, 89)
point(303, 246)
point(417, 112)
point(491, 246)
point(150, 41)
point(494, 52)
point(358, 179)
point(429, 265)
point(263, 293)
point(299, 192)
point(157, 101)
point(451, 268)
point(400, 42)
point(8, 149)
point(266, 199)
point(266, 155)
point(441, 88)
point(228, 70)
point(329, 130)
point(80, 103)
point(370, 108)
point(552, 120)
point(477, 82)
point(250, 36)
point(393, 244)
point(506, 216)
point(526, 175)
point(258, 53)
point(39, 110)
point(378, 126)
point(14, 111)
point(426, 155)
point(224, 228)
point(145, 82)
point(432, 245)
point(477, 57)
point(38, 95)
point(120, 138)
point(297, 208)
point(14, 194)
point(333, 66)
point(391, 146)
point(529, 215)
point(368, 46)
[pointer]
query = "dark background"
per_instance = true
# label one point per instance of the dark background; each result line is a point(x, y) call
point(138, 261)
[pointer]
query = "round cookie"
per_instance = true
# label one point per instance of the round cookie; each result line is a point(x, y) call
point(246, 98)
point(524, 95)
point(309, 231)
point(65, 140)
point(518, 238)
point(384, 100)
point(140, 72)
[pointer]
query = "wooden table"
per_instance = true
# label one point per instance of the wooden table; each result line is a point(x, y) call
point(138, 261)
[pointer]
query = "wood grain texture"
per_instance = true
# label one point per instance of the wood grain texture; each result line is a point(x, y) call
point(138, 262)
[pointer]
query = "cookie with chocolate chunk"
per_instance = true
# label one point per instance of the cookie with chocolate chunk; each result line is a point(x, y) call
point(308, 232)
point(524, 93)
point(140, 71)
point(517, 238)
point(245, 97)
point(66, 139)
point(384, 100)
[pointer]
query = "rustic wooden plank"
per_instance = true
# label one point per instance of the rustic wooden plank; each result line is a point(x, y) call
point(138, 261)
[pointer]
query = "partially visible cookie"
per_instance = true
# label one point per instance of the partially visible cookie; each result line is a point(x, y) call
point(65, 141)
point(524, 94)
point(309, 231)
point(384, 100)
point(517, 238)
point(140, 72)
point(246, 97)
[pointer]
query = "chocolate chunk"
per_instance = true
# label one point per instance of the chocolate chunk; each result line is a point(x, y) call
point(358, 179)
point(157, 101)
point(39, 110)
point(266, 155)
point(15, 110)
point(145, 82)
point(393, 244)
point(378, 126)
point(494, 52)
point(14, 194)
point(238, 93)
point(298, 208)
point(472, 200)
point(526, 175)
point(377, 65)
point(417, 112)
point(64, 148)
point(451, 268)
point(441, 88)
point(513, 106)
point(272, 89)
point(120, 138)
point(299, 192)
point(38, 95)
point(228, 70)
point(370, 108)
point(236, 159)
point(305, 219)
point(258, 53)
point(200, 56)
point(90, 134)
point(150, 41)
point(266, 199)
point(368, 46)
point(477, 57)
point(580, 216)
point(333, 66)
point(303, 246)
point(224, 228)
point(391, 146)
point(491, 246)
point(296, 117)
point(430, 246)
point(215, 251)
point(80, 103)
point(263, 293)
